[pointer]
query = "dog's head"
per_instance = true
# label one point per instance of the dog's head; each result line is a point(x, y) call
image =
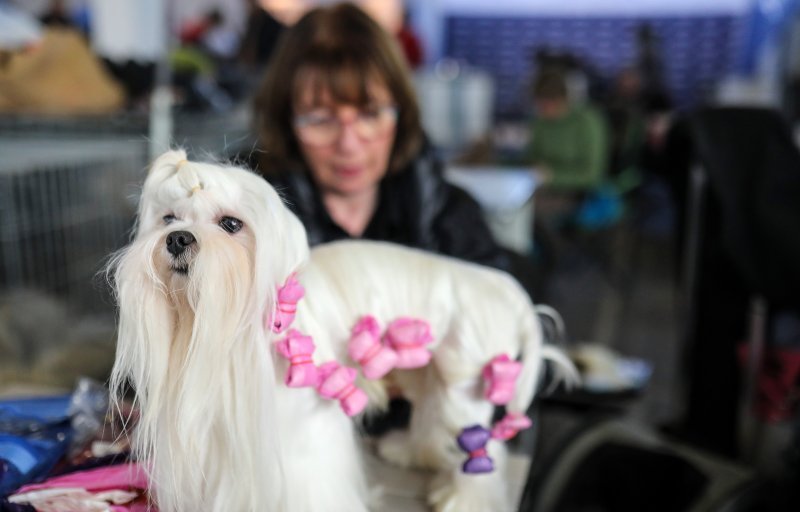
point(213, 243)
point(206, 222)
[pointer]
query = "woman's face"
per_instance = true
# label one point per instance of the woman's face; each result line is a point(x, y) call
point(347, 147)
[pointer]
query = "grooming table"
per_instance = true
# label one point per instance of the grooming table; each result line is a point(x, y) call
point(405, 490)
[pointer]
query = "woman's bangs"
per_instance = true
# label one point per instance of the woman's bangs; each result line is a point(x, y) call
point(338, 82)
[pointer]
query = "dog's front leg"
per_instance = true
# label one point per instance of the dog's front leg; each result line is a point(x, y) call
point(452, 490)
point(322, 459)
point(440, 412)
point(429, 441)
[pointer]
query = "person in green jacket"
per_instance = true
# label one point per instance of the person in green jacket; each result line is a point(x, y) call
point(569, 152)
point(569, 146)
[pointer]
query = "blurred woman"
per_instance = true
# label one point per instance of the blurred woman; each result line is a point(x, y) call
point(340, 137)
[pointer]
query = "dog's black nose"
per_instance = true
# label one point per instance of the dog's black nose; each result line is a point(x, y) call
point(178, 241)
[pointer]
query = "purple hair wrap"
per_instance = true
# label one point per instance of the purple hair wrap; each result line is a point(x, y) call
point(473, 441)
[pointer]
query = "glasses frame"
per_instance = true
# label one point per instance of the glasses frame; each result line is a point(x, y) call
point(303, 121)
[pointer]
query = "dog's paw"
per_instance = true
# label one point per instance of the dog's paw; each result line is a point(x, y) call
point(467, 493)
point(394, 448)
point(430, 456)
point(399, 449)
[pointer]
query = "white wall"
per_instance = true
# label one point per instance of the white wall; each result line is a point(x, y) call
point(129, 29)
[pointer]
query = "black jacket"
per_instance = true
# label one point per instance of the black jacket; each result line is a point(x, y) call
point(416, 208)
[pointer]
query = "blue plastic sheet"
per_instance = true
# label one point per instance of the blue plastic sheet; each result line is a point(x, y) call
point(34, 435)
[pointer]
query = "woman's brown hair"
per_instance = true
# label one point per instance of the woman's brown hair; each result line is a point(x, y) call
point(341, 50)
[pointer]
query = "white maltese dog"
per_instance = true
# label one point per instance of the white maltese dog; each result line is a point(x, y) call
point(248, 353)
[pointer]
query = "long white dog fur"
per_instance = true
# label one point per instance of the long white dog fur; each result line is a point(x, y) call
point(218, 428)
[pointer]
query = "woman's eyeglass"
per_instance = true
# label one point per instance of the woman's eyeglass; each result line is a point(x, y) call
point(323, 128)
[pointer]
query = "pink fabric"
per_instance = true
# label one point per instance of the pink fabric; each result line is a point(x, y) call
point(510, 426)
point(288, 296)
point(135, 507)
point(120, 476)
point(101, 485)
point(366, 348)
point(408, 337)
point(298, 349)
point(338, 382)
point(500, 375)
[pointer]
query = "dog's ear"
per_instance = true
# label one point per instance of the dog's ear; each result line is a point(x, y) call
point(296, 240)
point(291, 237)
point(281, 242)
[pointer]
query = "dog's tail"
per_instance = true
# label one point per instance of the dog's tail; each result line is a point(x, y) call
point(536, 350)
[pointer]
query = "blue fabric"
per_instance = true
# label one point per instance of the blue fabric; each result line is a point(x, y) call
point(34, 436)
point(25, 459)
point(600, 209)
point(47, 410)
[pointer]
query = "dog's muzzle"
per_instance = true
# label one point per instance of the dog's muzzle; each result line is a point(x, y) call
point(178, 242)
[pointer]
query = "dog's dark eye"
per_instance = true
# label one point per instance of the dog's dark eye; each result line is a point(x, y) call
point(169, 219)
point(230, 224)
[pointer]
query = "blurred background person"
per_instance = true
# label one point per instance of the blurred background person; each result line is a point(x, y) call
point(260, 36)
point(205, 71)
point(569, 148)
point(410, 42)
point(19, 31)
point(193, 31)
point(625, 111)
point(57, 15)
point(649, 61)
point(131, 36)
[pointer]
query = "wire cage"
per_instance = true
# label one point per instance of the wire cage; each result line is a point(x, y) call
point(64, 207)
point(69, 188)
point(218, 134)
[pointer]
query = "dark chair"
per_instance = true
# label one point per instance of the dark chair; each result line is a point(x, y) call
point(740, 257)
point(614, 465)
point(737, 174)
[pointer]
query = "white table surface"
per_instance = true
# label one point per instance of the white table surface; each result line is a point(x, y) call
point(495, 188)
point(506, 196)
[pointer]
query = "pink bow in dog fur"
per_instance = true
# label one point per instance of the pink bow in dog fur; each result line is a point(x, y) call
point(288, 296)
point(408, 337)
point(336, 381)
point(366, 348)
point(511, 424)
point(500, 375)
point(298, 349)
